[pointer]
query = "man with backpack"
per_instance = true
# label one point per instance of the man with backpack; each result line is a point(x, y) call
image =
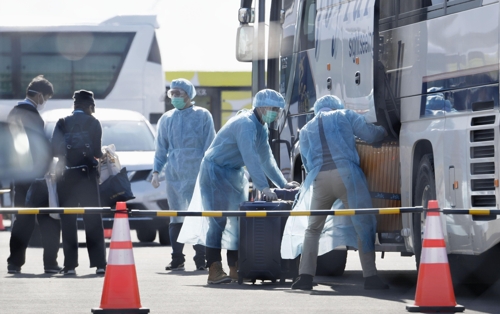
point(26, 115)
point(77, 142)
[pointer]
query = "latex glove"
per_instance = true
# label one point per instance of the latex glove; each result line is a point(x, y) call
point(269, 195)
point(292, 185)
point(155, 182)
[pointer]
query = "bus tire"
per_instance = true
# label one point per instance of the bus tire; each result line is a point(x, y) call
point(331, 263)
point(425, 190)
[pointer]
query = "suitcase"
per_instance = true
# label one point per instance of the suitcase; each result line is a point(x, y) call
point(259, 256)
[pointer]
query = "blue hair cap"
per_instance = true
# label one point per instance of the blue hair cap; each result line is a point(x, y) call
point(328, 101)
point(268, 98)
point(185, 85)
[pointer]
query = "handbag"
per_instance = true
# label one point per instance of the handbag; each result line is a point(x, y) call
point(43, 193)
point(109, 163)
point(38, 194)
point(116, 188)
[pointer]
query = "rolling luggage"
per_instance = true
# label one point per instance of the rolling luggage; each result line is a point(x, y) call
point(259, 255)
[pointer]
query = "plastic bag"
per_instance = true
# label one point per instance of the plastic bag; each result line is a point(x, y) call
point(52, 193)
point(109, 163)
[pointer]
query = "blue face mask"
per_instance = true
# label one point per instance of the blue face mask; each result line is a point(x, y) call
point(269, 116)
point(178, 102)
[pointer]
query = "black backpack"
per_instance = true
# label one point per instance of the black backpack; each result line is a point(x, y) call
point(78, 150)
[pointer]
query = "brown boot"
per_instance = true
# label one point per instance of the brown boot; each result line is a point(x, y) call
point(233, 272)
point(217, 275)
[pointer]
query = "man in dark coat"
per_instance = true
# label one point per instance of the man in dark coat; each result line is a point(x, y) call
point(26, 117)
point(79, 184)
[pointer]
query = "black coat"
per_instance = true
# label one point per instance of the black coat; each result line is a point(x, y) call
point(78, 187)
point(26, 117)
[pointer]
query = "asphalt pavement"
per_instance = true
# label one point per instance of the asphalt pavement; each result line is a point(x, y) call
point(163, 291)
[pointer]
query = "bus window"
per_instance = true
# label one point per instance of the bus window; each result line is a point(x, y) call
point(411, 5)
point(69, 60)
point(387, 9)
point(307, 34)
point(5, 68)
point(154, 52)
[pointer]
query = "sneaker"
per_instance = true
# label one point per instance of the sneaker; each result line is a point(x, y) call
point(375, 283)
point(175, 265)
point(216, 274)
point(53, 269)
point(100, 271)
point(13, 269)
point(303, 282)
point(68, 271)
point(201, 267)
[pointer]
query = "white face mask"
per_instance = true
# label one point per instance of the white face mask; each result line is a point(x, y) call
point(40, 107)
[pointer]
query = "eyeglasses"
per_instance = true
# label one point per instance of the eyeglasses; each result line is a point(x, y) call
point(176, 93)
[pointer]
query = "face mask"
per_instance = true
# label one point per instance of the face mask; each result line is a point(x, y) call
point(178, 102)
point(40, 107)
point(269, 116)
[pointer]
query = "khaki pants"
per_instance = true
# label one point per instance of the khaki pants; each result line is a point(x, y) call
point(327, 188)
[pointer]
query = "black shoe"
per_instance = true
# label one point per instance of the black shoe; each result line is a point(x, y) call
point(13, 269)
point(68, 271)
point(100, 270)
point(53, 269)
point(175, 265)
point(303, 282)
point(201, 267)
point(375, 283)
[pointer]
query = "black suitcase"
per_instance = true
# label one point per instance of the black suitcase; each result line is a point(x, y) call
point(259, 255)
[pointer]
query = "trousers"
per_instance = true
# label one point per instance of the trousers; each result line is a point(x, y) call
point(23, 227)
point(177, 247)
point(80, 189)
point(327, 188)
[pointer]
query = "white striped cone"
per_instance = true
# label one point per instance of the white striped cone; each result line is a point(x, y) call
point(434, 286)
point(120, 291)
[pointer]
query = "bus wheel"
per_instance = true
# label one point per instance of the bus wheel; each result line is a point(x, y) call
point(331, 263)
point(425, 190)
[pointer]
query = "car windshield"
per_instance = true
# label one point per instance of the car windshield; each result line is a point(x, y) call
point(127, 136)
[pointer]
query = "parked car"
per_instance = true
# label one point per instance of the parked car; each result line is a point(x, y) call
point(133, 137)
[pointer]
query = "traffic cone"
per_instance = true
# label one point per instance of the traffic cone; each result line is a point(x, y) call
point(108, 233)
point(434, 287)
point(120, 293)
point(2, 227)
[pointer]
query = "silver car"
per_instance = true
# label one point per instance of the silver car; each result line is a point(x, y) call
point(133, 137)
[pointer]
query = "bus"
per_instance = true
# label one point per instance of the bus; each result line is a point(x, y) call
point(118, 59)
point(426, 70)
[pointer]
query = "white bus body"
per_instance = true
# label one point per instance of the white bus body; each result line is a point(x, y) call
point(428, 71)
point(118, 59)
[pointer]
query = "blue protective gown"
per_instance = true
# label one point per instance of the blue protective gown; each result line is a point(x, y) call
point(340, 127)
point(222, 185)
point(182, 139)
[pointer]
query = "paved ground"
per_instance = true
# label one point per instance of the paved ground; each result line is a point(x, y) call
point(187, 292)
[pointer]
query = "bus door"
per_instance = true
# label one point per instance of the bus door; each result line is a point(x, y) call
point(354, 36)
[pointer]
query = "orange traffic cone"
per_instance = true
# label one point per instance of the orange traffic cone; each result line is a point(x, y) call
point(108, 233)
point(2, 227)
point(434, 287)
point(120, 293)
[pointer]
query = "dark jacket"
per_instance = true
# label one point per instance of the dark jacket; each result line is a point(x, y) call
point(26, 117)
point(77, 187)
point(93, 127)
